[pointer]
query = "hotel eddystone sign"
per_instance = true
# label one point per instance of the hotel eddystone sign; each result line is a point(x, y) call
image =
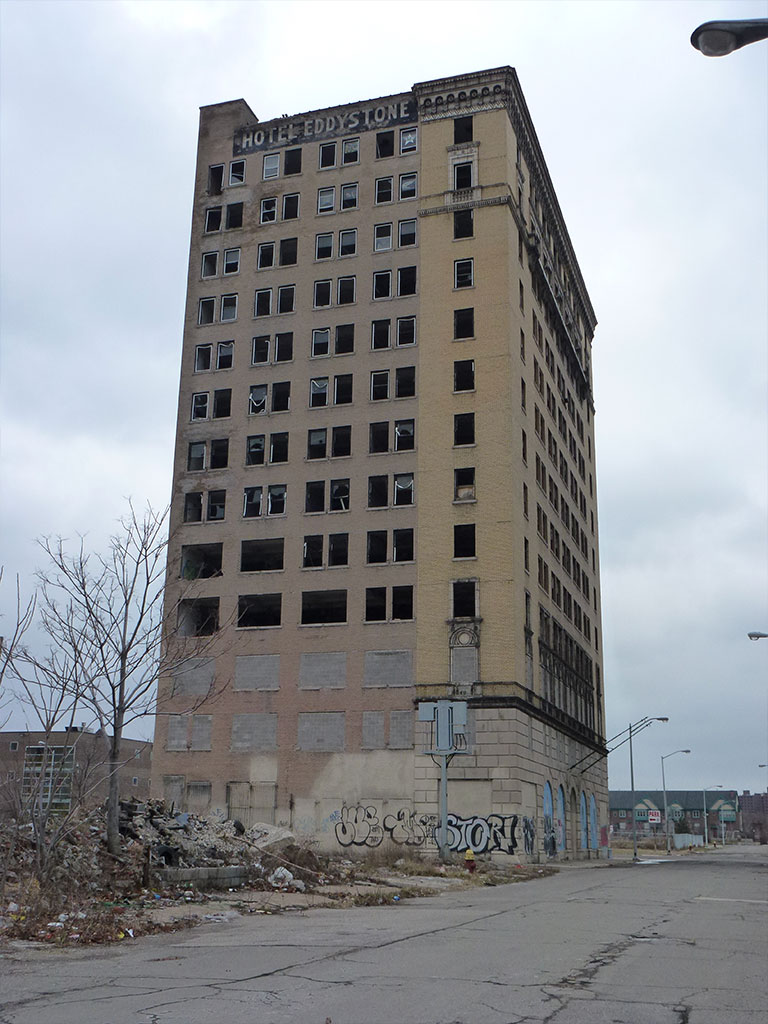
point(294, 132)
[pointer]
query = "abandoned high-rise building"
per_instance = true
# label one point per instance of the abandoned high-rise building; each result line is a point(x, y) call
point(384, 484)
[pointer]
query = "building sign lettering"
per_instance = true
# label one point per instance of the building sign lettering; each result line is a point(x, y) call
point(290, 132)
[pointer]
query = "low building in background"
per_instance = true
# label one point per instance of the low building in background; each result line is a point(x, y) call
point(685, 808)
point(754, 815)
point(68, 767)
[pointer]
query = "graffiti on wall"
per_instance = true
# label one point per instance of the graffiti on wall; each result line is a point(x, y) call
point(361, 826)
point(529, 836)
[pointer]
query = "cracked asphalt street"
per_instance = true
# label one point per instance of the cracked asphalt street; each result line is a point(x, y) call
point(684, 941)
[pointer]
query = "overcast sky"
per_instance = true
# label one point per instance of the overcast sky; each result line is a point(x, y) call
point(659, 158)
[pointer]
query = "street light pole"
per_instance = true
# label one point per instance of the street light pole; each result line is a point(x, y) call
point(664, 787)
point(643, 724)
point(719, 38)
point(706, 833)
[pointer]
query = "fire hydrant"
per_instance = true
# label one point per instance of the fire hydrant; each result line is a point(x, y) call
point(469, 861)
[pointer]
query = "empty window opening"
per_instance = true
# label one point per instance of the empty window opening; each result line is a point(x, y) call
point(327, 154)
point(206, 311)
point(200, 561)
point(405, 382)
point(341, 442)
point(222, 403)
point(265, 256)
point(259, 610)
point(215, 179)
point(462, 130)
point(339, 495)
point(402, 602)
point(403, 489)
point(216, 505)
point(382, 284)
point(345, 339)
point(313, 552)
point(464, 323)
point(404, 435)
point(345, 291)
point(292, 161)
point(385, 144)
point(284, 347)
point(464, 428)
point(237, 172)
point(193, 507)
point(380, 334)
point(198, 616)
point(462, 176)
point(213, 219)
point(402, 545)
point(260, 349)
point(291, 206)
point(379, 385)
point(254, 450)
point(464, 484)
point(314, 498)
point(322, 294)
point(464, 540)
point(323, 606)
point(376, 547)
point(464, 375)
point(219, 453)
point(278, 447)
point(464, 600)
point(406, 281)
point(251, 502)
point(342, 389)
point(375, 604)
point(338, 549)
point(384, 190)
point(378, 492)
point(286, 298)
point(203, 355)
point(196, 456)
point(378, 438)
point(210, 266)
point(316, 443)
point(463, 224)
point(289, 248)
point(281, 396)
point(262, 555)
point(406, 330)
point(234, 215)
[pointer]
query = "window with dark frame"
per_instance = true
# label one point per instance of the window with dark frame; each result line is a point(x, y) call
point(464, 599)
point(464, 323)
point(375, 604)
point(385, 144)
point(378, 438)
point(376, 547)
point(463, 223)
point(464, 484)
point(341, 442)
point(462, 130)
point(378, 492)
point(402, 545)
point(464, 540)
point(292, 162)
point(464, 375)
point(463, 428)
point(345, 339)
point(291, 206)
point(317, 442)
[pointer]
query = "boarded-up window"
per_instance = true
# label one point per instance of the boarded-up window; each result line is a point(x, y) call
point(257, 672)
point(254, 732)
point(322, 671)
point(200, 732)
point(195, 677)
point(198, 797)
point(464, 665)
point(173, 790)
point(177, 733)
point(373, 730)
point(321, 730)
point(401, 730)
point(388, 668)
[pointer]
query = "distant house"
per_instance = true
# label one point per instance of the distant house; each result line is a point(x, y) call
point(722, 811)
point(67, 767)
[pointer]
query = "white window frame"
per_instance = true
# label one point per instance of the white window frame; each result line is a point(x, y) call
point(323, 234)
point(401, 183)
point(456, 264)
point(222, 346)
point(352, 145)
point(265, 210)
point(262, 291)
point(353, 233)
point(270, 167)
point(228, 257)
point(323, 305)
point(328, 191)
point(315, 388)
point(206, 299)
point(284, 289)
point(207, 256)
point(400, 223)
point(227, 305)
point(199, 349)
point(260, 337)
point(405, 344)
point(382, 232)
point(252, 411)
point(317, 342)
point(408, 488)
point(326, 146)
point(234, 177)
point(201, 400)
point(404, 147)
point(261, 252)
point(375, 376)
point(382, 202)
point(352, 188)
point(381, 274)
point(286, 197)
point(353, 279)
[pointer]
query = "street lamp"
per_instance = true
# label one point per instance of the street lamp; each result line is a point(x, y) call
point(638, 727)
point(704, 792)
point(719, 38)
point(664, 787)
point(756, 635)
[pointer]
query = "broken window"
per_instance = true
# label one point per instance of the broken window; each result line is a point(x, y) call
point(349, 196)
point(385, 144)
point(314, 499)
point(316, 443)
point(342, 389)
point(263, 302)
point(276, 495)
point(338, 549)
point(379, 385)
point(462, 129)
point(464, 428)
point(378, 492)
point(260, 349)
point(286, 298)
point(268, 211)
point(402, 602)
point(219, 453)
point(405, 382)
point(463, 224)
point(292, 161)
point(313, 552)
point(408, 186)
point(216, 504)
point(341, 442)
point(262, 555)
point(382, 237)
point(378, 438)
point(222, 403)
point(231, 261)
point(193, 507)
point(402, 545)
point(339, 496)
point(259, 610)
point(322, 295)
point(213, 219)
point(251, 502)
point(345, 339)
point(196, 456)
point(237, 172)
point(200, 406)
point(291, 206)
point(464, 540)
point(270, 166)
point(198, 616)
point(200, 561)
point(284, 347)
point(278, 447)
point(289, 248)
point(215, 179)
point(254, 450)
point(384, 190)
point(281, 396)
point(382, 284)
point(463, 274)
point(462, 176)
point(408, 140)
point(327, 154)
point(257, 401)
point(403, 491)
point(234, 215)
point(265, 257)
point(375, 604)
point(326, 199)
point(203, 358)
point(348, 242)
point(210, 266)
point(406, 281)
point(345, 290)
point(464, 599)
point(350, 151)
point(464, 375)
point(380, 334)
point(464, 323)
point(323, 606)
point(404, 435)
point(406, 233)
point(376, 549)
point(406, 330)
point(318, 392)
point(206, 311)
point(324, 246)
point(225, 351)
